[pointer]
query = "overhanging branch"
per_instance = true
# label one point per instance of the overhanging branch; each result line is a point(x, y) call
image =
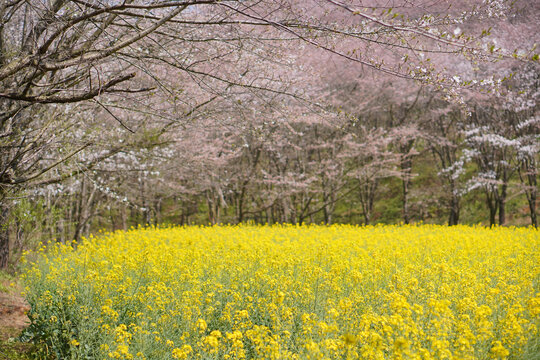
point(47, 99)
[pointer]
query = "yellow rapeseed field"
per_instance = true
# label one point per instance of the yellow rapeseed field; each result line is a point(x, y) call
point(291, 292)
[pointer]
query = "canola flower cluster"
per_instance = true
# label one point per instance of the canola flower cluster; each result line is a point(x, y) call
point(291, 292)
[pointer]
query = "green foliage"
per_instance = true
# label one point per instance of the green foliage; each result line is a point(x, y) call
point(5, 279)
point(13, 350)
point(388, 209)
point(31, 222)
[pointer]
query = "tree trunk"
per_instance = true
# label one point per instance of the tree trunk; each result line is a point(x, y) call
point(367, 198)
point(157, 206)
point(78, 211)
point(240, 207)
point(454, 211)
point(112, 217)
point(492, 216)
point(60, 230)
point(367, 218)
point(209, 203)
point(532, 175)
point(286, 214)
point(50, 227)
point(326, 211)
point(274, 214)
point(4, 234)
point(531, 185)
point(406, 165)
point(213, 207)
point(19, 236)
point(492, 206)
point(532, 211)
point(533, 181)
point(453, 219)
point(146, 216)
point(502, 203)
point(86, 212)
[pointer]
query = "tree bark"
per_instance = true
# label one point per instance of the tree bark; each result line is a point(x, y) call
point(492, 206)
point(502, 203)
point(86, 211)
point(406, 167)
point(145, 213)
point(157, 207)
point(532, 211)
point(60, 230)
point(367, 198)
point(528, 171)
point(4, 234)
point(454, 211)
point(213, 207)
point(533, 182)
point(327, 212)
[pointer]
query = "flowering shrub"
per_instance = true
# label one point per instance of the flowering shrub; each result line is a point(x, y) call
point(291, 292)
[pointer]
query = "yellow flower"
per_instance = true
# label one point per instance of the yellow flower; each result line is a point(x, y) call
point(349, 339)
point(295, 292)
point(498, 350)
point(182, 353)
point(201, 325)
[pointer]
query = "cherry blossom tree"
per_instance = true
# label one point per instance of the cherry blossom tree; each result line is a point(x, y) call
point(444, 139)
point(522, 102)
point(149, 65)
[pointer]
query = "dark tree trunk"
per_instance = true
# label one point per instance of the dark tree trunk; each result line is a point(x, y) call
point(528, 174)
point(454, 205)
point(406, 218)
point(4, 234)
point(532, 208)
point(213, 207)
point(240, 207)
point(240, 201)
point(328, 208)
point(326, 216)
point(367, 218)
point(492, 206)
point(112, 217)
point(502, 204)
point(367, 199)
point(532, 198)
point(286, 211)
point(158, 206)
point(454, 211)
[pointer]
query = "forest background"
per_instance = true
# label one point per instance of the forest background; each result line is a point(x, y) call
point(124, 113)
